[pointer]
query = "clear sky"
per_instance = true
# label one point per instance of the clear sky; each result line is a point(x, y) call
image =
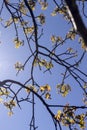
point(9, 56)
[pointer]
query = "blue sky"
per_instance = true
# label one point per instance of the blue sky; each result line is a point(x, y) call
point(9, 56)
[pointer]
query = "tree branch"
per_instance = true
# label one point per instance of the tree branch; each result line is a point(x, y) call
point(81, 28)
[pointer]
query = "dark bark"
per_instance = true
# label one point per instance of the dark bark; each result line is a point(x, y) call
point(81, 28)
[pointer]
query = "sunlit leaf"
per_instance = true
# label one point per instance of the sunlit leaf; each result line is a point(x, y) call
point(18, 42)
point(71, 35)
point(22, 8)
point(16, 19)
point(3, 91)
point(58, 115)
point(48, 95)
point(54, 13)
point(45, 88)
point(53, 38)
point(10, 104)
point(10, 113)
point(24, 23)
point(80, 120)
point(44, 5)
point(43, 62)
point(9, 22)
point(63, 89)
point(32, 4)
point(29, 30)
point(30, 87)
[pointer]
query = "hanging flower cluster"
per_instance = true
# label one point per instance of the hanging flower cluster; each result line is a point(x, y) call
point(32, 4)
point(9, 105)
point(19, 66)
point(41, 18)
point(68, 117)
point(43, 62)
point(29, 30)
point(63, 89)
point(45, 90)
point(18, 42)
point(44, 4)
point(56, 39)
